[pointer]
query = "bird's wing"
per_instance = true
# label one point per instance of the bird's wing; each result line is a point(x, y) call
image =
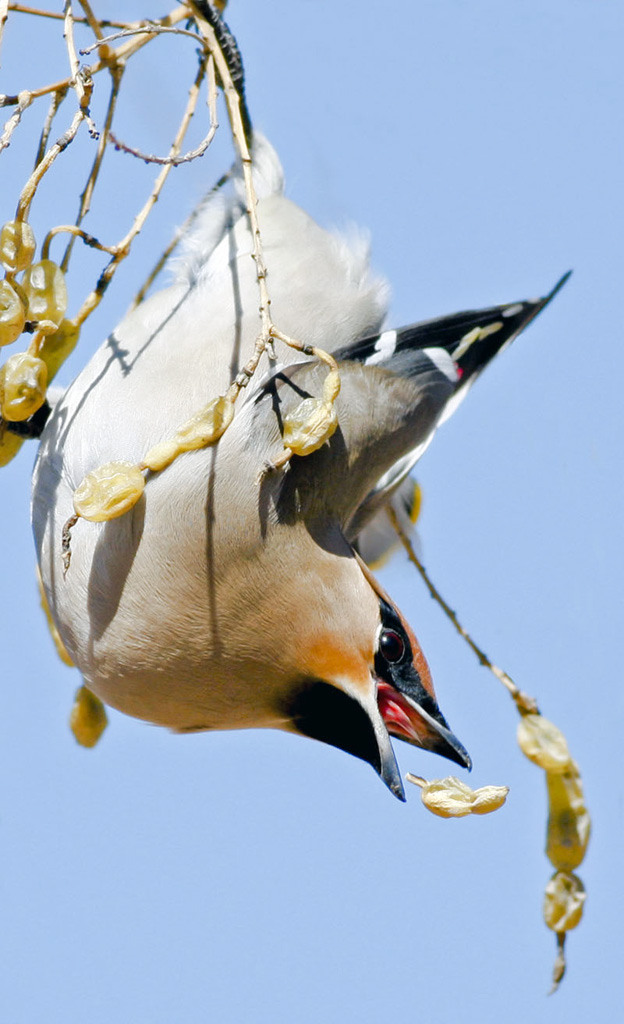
point(382, 417)
point(461, 346)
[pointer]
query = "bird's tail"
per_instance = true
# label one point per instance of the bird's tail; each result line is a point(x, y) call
point(223, 206)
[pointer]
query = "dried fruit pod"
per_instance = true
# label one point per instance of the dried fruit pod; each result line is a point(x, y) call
point(448, 798)
point(488, 799)
point(543, 743)
point(61, 649)
point(17, 245)
point(44, 285)
point(564, 899)
point(202, 429)
point(569, 824)
point(23, 383)
point(161, 456)
point(12, 313)
point(55, 348)
point(88, 718)
point(109, 491)
point(206, 426)
point(10, 444)
point(309, 426)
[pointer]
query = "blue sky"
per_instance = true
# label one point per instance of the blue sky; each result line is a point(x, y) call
point(259, 877)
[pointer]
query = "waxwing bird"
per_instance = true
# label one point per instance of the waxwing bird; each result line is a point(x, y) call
point(229, 597)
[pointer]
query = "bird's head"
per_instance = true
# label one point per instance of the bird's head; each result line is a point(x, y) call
point(368, 681)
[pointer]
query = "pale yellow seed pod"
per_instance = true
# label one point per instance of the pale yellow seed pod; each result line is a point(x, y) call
point(109, 491)
point(44, 285)
point(12, 314)
point(23, 383)
point(202, 429)
point(309, 426)
point(569, 824)
point(564, 899)
point(88, 718)
point(489, 798)
point(17, 245)
point(55, 348)
point(543, 743)
point(206, 426)
point(10, 444)
point(61, 649)
point(448, 797)
point(161, 456)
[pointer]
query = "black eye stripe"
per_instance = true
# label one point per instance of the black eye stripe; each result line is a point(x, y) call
point(391, 646)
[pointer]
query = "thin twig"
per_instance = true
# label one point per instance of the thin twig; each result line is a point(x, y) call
point(80, 76)
point(96, 28)
point(76, 232)
point(148, 27)
point(55, 102)
point(124, 52)
point(32, 184)
point(524, 703)
point(307, 350)
point(3, 17)
point(24, 99)
point(192, 154)
point(24, 9)
point(232, 99)
point(116, 69)
point(123, 247)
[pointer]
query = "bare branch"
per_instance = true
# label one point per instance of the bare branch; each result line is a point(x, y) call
point(24, 99)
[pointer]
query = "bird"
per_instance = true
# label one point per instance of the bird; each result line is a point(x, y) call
point(232, 597)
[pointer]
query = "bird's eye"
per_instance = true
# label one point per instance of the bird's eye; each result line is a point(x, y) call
point(391, 645)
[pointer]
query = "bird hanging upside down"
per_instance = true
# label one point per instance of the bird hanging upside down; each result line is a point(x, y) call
point(228, 598)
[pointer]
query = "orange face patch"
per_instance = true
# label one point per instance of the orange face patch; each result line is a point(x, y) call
point(339, 664)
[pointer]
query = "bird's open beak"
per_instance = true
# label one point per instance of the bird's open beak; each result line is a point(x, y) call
point(408, 720)
point(403, 717)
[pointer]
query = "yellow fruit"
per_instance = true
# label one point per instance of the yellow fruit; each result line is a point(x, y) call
point(17, 245)
point(88, 718)
point(202, 429)
point(44, 285)
point(206, 426)
point(543, 743)
point(309, 426)
point(489, 798)
point(109, 491)
point(23, 382)
point(448, 798)
point(161, 455)
point(564, 899)
point(12, 314)
point(569, 824)
point(55, 348)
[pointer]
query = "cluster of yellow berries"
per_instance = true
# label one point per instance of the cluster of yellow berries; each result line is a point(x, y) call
point(36, 303)
point(568, 827)
point(113, 489)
